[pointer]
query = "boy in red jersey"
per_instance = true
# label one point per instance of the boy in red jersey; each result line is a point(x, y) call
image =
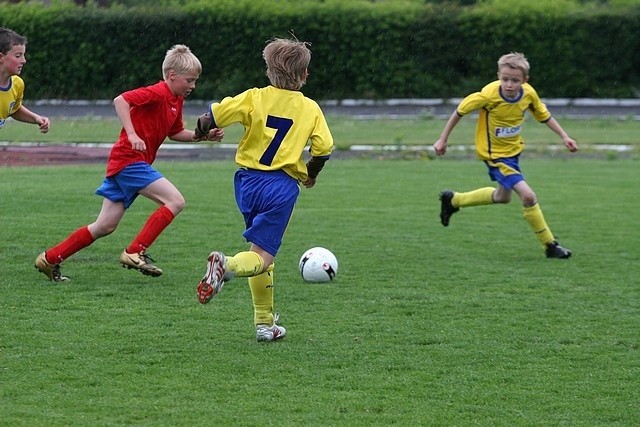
point(498, 143)
point(13, 48)
point(279, 122)
point(148, 115)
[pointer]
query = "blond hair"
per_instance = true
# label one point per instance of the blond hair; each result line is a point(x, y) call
point(515, 60)
point(180, 59)
point(287, 62)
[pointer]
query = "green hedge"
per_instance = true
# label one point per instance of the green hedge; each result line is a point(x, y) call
point(360, 49)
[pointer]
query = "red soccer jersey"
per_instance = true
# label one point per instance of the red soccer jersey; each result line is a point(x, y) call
point(156, 113)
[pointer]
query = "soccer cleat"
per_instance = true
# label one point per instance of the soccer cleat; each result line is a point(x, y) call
point(213, 280)
point(554, 250)
point(141, 262)
point(446, 208)
point(52, 271)
point(270, 333)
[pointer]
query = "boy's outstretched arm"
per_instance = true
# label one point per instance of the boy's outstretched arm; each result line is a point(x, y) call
point(27, 116)
point(440, 146)
point(568, 141)
point(214, 134)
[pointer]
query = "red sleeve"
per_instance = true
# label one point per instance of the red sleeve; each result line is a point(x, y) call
point(178, 124)
point(140, 96)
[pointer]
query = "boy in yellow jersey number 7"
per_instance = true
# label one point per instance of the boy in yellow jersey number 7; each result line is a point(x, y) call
point(498, 143)
point(279, 121)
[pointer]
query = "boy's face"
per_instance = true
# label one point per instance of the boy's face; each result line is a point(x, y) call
point(511, 80)
point(13, 60)
point(182, 84)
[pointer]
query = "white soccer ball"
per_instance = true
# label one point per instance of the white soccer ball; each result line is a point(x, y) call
point(318, 265)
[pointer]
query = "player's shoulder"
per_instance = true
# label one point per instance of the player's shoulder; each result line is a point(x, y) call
point(253, 93)
point(491, 88)
point(311, 101)
point(488, 92)
point(16, 81)
point(308, 102)
point(160, 87)
point(296, 97)
point(529, 91)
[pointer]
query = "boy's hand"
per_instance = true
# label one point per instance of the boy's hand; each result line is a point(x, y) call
point(197, 138)
point(571, 144)
point(137, 143)
point(440, 147)
point(310, 182)
point(43, 123)
point(215, 134)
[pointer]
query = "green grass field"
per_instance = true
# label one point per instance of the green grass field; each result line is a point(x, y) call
point(425, 325)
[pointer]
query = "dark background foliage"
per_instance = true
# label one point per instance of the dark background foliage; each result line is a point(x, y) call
point(361, 49)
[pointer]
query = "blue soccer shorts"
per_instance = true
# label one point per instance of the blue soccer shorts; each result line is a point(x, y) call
point(266, 201)
point(124, 186)
point(505, 171)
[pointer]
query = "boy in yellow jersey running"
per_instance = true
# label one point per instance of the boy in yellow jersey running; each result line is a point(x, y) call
point(498, 143)
point(279, 121)
point(13, 48)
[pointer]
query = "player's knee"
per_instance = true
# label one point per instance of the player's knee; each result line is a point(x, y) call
point(177, 205)
point(180, 206)
point(499, 197)
point(101, 230)
point(529, 199)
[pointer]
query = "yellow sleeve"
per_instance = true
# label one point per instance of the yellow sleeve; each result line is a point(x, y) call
point(537, 108)
point(321, 138)
point(232, 109)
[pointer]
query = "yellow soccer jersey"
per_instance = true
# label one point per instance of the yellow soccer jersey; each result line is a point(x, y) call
point(11, 98)
point(500, 120)
point(278, 125)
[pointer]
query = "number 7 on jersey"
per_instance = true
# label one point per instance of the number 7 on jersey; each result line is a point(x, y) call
point(282, 126)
